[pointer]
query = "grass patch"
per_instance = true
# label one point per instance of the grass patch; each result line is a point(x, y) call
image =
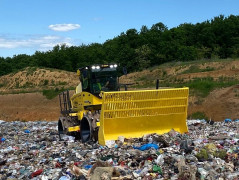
point(196, 69)
point(146, 84)
point(203, 86)
point(31, 70)
point(22, 91)
point(208, 69)
point(45, 83)
point(52, 93)
point(146, 79)
point(52, 82)
point(62, 83)
point(27, 85)
point(142, 78)
point(17, 85)
point(199, 87)
point(195, 62)
point(3, 83)
point(198, 115)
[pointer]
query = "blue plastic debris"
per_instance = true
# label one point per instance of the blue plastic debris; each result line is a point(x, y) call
point(2, 139)
point(147, 146)
point(236, 120)
point(64, 178)
point(26, 131)
point(69, 173)
point(88, 167)
point(227, 120)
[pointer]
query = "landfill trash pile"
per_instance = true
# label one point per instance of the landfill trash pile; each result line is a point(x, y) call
point(32, 150)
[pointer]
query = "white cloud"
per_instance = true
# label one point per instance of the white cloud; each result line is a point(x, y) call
point(51, 37)
point(37, 42)
point(48, 45)
point(63, 27)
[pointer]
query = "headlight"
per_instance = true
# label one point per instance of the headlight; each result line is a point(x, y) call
point(97, 67)
point(111, 66)
point(93, 67)
point(115, 65)
point(86, 67)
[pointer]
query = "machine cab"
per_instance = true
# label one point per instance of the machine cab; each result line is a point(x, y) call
point(97, 78)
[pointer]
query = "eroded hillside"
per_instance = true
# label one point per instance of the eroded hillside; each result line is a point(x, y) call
point(36, 79)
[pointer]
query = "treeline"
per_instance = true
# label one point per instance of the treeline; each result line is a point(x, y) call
point(216, 38)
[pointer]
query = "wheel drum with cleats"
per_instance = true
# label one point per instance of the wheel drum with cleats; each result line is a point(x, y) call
point(60, 129)
point(86, 130)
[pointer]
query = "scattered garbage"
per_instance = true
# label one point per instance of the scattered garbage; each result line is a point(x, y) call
point(236, 120)
point(32, 150)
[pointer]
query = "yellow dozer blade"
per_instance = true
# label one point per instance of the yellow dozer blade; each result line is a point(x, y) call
point(135, 113)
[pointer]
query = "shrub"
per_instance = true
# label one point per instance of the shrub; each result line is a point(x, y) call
point(51, 93)
point(46, 82)
point(199, 115)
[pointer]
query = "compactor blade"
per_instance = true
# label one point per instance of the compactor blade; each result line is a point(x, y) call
point(135, 113)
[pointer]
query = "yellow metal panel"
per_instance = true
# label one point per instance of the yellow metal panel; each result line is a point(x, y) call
point(73, 128)
point(82, 99)
point(135, 113)
point(81, 114)
point(97, 123)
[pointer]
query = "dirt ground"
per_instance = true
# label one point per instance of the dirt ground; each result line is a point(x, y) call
point(28, 107)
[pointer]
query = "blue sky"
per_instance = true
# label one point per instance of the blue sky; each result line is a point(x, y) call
point(27, 26)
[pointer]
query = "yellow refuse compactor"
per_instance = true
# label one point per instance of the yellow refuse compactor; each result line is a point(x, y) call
point(99, 111)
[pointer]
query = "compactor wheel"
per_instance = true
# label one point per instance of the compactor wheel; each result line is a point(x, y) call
point(86, 129)
point(60, 129)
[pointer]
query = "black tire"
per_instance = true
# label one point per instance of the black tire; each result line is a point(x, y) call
point(60, 129)
point(86, 129)
point(77, 135)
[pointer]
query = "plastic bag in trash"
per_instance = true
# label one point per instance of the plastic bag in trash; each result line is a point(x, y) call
point(160, 159)
point(68, 138)
point(147, 146)
point(227, 120)
point(64, 178)
point(27, 131)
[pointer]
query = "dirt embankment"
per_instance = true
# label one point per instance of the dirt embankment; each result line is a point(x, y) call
point(36, 79)
point(28, 107)
point(32, 105)
point(219, 105)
